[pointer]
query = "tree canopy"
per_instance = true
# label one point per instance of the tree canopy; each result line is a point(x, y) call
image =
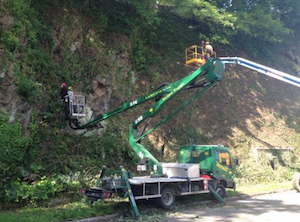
point(263, 21)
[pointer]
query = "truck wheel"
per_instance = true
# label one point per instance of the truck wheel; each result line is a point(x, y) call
point(296, 182)
point(167, 199)
point(220, 189)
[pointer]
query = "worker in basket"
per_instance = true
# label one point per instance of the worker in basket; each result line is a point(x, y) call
point(202, 47)
point(71, 97)
point(208, 51)
point(64, 98)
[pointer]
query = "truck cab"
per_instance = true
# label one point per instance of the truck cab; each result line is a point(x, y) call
point(214, 161)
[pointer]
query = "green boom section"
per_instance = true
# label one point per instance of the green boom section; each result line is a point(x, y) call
point(201, 80)
point(125, 106)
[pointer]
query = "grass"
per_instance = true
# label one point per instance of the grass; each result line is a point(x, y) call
point(79, 210)
point(71, 211)
point(260, 188)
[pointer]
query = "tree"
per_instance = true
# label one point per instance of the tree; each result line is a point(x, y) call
point(259, 24)
point(214, 23)
point(289, 13)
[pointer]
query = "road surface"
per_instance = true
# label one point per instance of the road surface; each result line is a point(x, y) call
point(276, 207)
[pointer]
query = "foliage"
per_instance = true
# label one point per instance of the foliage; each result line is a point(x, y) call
point(12, 150)
point(26, 86)
point(215, 25)
point(172, 35)
point(110, 150)
point(43, 189)
point(288, 11)
point(146, 9)
point(138, 49)
point(134, 18)
point(258, 24)
point(10, 41)
point(22, 44)
point(251, 172)
point(251, 25)
point(261, 26)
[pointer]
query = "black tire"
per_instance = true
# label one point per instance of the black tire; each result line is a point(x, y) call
point(220, 189)
point(167, 199)
point(296, 182)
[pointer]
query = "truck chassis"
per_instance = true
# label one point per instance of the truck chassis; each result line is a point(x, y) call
point(163, 190)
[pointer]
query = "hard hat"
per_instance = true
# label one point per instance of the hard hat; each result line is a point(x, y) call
point(70, 88)
point(207, 43)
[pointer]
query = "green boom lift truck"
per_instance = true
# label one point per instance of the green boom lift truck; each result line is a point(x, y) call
point(167, 180)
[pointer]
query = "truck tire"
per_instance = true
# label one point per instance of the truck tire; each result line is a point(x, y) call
point(220, 189)
point(167, 198)
point(296, 182)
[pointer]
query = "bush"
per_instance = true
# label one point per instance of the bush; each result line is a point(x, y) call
point(12, 150)
point(40, 190)
point(10, 41)
point(27, 87)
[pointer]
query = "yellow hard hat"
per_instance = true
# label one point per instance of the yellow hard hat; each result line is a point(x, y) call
point(207, 43)
point(70, 88)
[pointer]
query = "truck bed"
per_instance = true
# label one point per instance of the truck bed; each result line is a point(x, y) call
point(147, 187)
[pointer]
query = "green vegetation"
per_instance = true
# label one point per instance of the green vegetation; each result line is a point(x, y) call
point(12, 145)
point(43, 189)
point(76, 210)
point(127, 48)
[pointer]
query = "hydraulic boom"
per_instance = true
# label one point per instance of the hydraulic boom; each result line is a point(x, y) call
point(201, 80)
point(293, 80)
point(193, 174)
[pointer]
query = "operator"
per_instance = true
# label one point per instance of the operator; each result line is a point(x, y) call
point(63, 90)
point(64, 98)
point(70, 94)
point(208, 51)
point(202, 47)
point(202, 43)
point(70, 100)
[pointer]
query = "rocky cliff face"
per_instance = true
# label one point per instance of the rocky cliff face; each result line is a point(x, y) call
point(10, 100)
point(107, 60)
point(243, 110)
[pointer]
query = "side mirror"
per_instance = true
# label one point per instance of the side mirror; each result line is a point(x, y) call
point(236, 161)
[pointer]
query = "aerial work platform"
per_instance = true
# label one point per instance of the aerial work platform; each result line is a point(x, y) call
point(195, 56)
point(77, 107)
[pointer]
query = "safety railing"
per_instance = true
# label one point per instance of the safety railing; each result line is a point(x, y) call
point(77, 107)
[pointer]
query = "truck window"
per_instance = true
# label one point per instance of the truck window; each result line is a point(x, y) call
point(223, 155)
point(196, 153)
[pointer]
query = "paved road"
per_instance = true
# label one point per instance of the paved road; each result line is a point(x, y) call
point(277, 207)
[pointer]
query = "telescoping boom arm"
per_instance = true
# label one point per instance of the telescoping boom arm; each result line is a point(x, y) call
point(293, 80)
point(201, 80)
